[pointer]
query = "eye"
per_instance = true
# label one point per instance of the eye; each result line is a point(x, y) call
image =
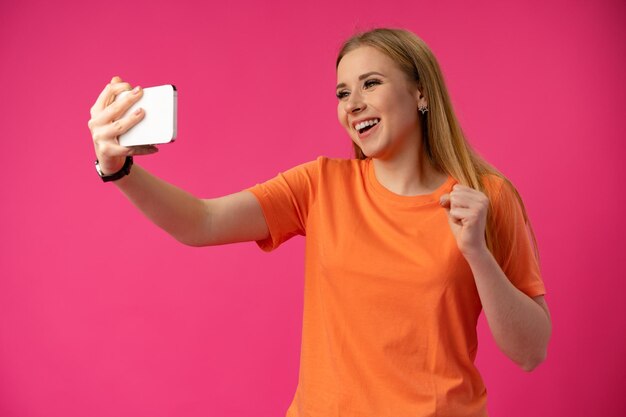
point(367, 84)
point(372, 82)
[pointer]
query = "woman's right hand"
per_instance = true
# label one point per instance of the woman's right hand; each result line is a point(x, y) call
point(107, 123)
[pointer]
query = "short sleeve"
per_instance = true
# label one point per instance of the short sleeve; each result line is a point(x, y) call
point(516, 255)
point(285, 201)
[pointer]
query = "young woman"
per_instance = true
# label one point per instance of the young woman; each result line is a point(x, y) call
point(406, 243)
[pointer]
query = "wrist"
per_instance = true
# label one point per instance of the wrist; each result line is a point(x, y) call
point(109, 166)
point(107, 176)
point(477, 254)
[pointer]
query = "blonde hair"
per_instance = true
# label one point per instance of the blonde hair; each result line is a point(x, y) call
point(444, 141)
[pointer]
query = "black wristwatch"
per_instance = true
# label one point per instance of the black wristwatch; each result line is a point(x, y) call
point(119, 174)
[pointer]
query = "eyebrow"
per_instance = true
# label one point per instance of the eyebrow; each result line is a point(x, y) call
point(361, 77)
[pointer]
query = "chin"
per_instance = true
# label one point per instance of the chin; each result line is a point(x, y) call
point(371, 151)
point(366, 152)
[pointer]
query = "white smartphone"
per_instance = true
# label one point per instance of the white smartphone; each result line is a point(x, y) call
point(159, 123)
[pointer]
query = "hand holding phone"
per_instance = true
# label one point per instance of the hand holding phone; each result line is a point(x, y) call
point(159, 124)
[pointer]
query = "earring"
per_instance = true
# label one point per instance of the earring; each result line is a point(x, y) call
point(423, 108)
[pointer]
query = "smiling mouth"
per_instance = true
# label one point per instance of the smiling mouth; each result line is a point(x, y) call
point(366, 125)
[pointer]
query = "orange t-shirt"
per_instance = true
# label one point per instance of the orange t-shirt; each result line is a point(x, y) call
point(390, 304)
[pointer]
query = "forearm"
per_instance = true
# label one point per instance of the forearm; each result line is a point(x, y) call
point(176, 211)
point(520, 326)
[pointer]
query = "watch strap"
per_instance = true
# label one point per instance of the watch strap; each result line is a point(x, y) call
point(125, 170)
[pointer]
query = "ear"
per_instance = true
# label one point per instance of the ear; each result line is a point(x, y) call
point(420, 99)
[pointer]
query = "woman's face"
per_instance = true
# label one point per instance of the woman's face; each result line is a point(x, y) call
point(372, 88)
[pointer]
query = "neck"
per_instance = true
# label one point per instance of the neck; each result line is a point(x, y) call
point(409, 173)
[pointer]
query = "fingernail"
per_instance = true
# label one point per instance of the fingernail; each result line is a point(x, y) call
point(136, 90)
point(137, 111)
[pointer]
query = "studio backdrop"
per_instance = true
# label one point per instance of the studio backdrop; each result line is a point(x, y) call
point(104, 314)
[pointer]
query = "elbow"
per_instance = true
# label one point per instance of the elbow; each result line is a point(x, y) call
point(190, 239)
point(532, 363)
point(538, 354)
point(194, 243)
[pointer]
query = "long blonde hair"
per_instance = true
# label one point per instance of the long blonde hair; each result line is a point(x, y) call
point(444, 141)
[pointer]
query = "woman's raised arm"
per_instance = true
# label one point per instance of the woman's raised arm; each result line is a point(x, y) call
point(196, 222)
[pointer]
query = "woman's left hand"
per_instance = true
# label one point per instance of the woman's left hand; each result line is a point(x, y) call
point(467, 215)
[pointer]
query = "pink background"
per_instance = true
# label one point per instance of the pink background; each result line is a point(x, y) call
point(103, 314)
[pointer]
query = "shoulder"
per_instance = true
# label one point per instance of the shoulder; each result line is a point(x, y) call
point(506, 203)
point(498, 188)
point(321, 170)
point(338, 166)
point(493, 183)
point(337, 163)
point(326, 161)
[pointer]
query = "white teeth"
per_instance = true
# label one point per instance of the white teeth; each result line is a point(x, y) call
point(366, 123)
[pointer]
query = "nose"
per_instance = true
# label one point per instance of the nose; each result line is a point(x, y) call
point(355, 103)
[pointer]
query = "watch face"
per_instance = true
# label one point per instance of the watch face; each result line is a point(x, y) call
point(98, 169)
